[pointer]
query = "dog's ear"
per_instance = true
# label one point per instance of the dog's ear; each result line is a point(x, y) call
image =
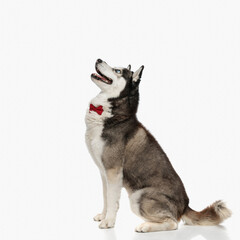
point(129, 67)
point(138, 74)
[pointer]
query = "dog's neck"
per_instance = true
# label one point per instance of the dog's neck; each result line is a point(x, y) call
point(118, 107)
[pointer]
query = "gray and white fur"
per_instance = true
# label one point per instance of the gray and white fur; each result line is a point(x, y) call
point(128, 156)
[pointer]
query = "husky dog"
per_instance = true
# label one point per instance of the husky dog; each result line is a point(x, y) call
point(129, 156)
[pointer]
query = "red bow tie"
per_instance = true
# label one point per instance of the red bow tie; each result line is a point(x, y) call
point(98, 109)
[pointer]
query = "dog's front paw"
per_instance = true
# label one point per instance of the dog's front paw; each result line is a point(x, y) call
point(107, 223)
point(99, 217)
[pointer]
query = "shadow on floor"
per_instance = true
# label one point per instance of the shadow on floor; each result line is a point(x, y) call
point(184, 232)
point(187, 233)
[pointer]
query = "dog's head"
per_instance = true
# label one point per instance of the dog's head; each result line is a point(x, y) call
point(116, 82)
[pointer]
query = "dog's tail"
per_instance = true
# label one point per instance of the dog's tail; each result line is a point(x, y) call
point(211, 215)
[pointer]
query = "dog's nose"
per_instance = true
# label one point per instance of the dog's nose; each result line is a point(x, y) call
point(99, 60)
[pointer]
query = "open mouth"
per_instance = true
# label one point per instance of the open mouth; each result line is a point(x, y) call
point(101, 77)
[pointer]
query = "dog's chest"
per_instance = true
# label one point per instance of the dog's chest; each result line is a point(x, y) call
point(95, 126)
point(94, 140)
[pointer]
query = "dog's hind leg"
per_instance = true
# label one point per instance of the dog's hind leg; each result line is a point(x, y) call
point(156, 209)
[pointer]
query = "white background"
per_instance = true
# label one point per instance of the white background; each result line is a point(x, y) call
point(190, 94)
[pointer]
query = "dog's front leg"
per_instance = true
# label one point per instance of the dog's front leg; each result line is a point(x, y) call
point(114, 186)
point(101, 216)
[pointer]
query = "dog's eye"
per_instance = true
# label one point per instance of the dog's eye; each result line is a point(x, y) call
point(117, 71)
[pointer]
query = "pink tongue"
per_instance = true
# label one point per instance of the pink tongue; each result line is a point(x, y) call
point(100, 76)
